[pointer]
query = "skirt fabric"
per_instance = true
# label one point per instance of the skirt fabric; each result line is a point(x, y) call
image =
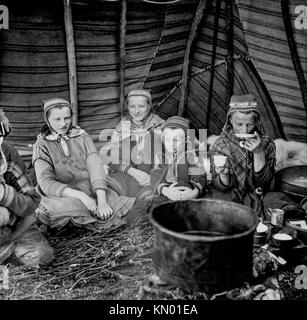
point(58, 212)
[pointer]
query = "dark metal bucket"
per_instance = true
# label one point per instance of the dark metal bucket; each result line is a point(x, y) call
point(203, 245)
point(292, 180)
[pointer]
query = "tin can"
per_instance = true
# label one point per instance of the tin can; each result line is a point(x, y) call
point(277, 216)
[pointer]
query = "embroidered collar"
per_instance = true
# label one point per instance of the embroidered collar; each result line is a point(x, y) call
point(75, 131)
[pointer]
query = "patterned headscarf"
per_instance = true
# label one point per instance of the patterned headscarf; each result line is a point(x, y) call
point(241, 160)
point(49, 134)
point(244, 103)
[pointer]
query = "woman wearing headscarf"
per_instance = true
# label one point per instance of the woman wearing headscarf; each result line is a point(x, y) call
point(20, 239)
point(250, 163)
point(175, 173)
point(171, 163)
point(129, 177)
point(70, 175)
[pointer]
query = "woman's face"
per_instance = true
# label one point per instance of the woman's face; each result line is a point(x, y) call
point(243, 123)
point(60, 119)
point(138, 108)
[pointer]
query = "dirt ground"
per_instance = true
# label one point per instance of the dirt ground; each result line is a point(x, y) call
point(116, 265)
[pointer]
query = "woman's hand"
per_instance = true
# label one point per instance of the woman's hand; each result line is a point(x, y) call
point(172, 192)
point(188, 193)
point(104, 211)
point(254, 145)
point(88, 202)
point(140, 176)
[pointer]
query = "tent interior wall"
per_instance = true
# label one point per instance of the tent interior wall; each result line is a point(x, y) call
point(33, 62)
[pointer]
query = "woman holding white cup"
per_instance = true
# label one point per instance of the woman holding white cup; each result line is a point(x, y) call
point(243, 157)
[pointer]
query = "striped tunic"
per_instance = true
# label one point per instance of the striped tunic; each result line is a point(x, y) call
point(16, 190)
point(243, 179)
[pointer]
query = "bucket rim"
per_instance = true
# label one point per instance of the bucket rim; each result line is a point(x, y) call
point(203, 238)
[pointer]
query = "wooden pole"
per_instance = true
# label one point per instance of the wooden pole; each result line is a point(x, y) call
point(194, 74)
point(229, 59)
point(122, 53)
point(186, 60)
point(294, 55)
point(71, 57)
point(214, 45)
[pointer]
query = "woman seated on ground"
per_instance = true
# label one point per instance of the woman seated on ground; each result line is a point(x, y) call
point(171, 167)
point(129, 179)
point(20, 239)
point(175, 175)
point(70, 175)
point(250, 164)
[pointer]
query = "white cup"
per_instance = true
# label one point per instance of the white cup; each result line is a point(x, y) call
point(219, 161)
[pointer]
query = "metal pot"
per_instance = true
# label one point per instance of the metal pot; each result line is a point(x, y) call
point(292, 180)
point(204, 244)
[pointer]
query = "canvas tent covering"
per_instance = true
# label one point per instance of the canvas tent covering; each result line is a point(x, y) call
point(34, 62)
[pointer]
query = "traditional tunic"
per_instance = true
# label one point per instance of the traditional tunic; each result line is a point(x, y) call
point(136, 135)
point(18, 201)
point(243, 179)
point(72, 161)
point(177, 167)
point(127, 127)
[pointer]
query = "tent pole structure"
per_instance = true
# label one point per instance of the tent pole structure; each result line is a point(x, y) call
point(71, 57)
point(214, 45)
point(122, 53)
point(193, 74)
point(229, 59)
point(293, 50)
point(186, 61)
